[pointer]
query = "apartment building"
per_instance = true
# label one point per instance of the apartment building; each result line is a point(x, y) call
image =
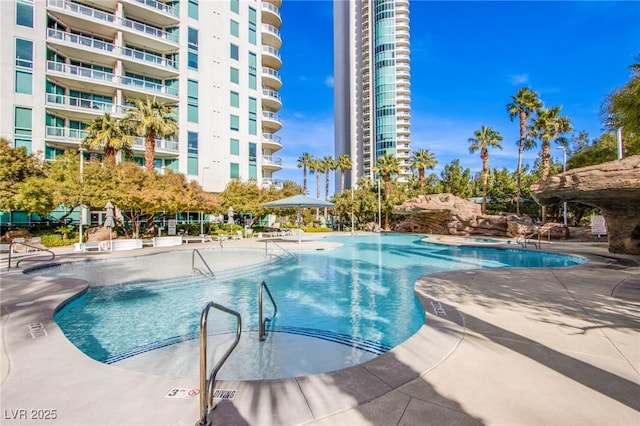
point(64, 63)
point(372, 84)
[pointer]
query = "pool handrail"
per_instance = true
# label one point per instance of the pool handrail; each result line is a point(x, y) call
point(38, 251)
point(263, 322)
point(266, 251)
point(207, 385)
point(193, 262)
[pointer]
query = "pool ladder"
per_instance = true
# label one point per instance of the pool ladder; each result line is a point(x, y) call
point(193, 263)
point(262, 333)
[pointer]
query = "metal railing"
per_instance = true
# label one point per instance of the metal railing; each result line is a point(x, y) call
point(284, 250)
point(263, 321)
point(193, 263)
point(38, 251)
point(207, 385)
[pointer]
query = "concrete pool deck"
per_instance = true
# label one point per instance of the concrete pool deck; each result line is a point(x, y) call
point(500, 346)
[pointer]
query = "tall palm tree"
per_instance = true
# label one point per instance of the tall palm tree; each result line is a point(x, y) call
point(421, 160)
point(387, 166)
point(315, 168)
point(303, 163)
point(485, 138)
point(549, 126)
point(151, 119)
point(109, 135)
point(523, 104)
point(328, 165)
point(343, 163)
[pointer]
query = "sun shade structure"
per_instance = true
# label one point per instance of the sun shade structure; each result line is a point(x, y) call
point(298, 202)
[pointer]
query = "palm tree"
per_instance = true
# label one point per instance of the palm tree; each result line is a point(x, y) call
point(151, 119)
point(109, 135)
point(485, 137)
point(303, 163)
point(524, 103)
point(315, 168)
point(421, 160)
point(328, 165)
point(547, 126)
point(387, 166)
point(343, 163)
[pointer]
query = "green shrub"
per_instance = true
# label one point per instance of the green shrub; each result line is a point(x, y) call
point(318, 229)
point(55, 240)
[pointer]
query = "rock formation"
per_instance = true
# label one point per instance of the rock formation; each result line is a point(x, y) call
point(450, 215)
point(613, 187)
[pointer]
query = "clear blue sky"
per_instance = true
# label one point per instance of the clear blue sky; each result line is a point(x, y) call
point(467, 59)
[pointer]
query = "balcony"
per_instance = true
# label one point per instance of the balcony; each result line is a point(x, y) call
point(164, 147)
point(76, 77)
point(136, 88)
point(83, 18)
point(82, 109)
point(271, 57)
point(271, 14)
point(147, 63)
point(277, 183)
point(271, 121)
point(271, 100)
point(271, 36)
point(271, 78)
point(269, 162)
point(64, 136)
point(152, 11)
point(88, 48)
point(271, 142)
point(141, 34)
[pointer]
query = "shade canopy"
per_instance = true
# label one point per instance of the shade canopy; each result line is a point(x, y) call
point(298, 202)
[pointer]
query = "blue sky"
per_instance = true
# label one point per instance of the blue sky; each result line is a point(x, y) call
point(466, 62)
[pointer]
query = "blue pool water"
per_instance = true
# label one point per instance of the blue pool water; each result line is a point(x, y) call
point(359, 295)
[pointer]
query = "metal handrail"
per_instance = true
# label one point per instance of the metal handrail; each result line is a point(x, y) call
point(40, 249)
point(263, 322)
point(207, 385)
point(266, 251)
point(193, 262)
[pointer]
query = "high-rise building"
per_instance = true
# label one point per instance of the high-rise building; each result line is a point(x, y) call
point(372, 84)
point(66, 62)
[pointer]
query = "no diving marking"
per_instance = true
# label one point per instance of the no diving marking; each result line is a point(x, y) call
point(438, 309)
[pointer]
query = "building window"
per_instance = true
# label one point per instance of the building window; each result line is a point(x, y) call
point(234, 76)
point(23, 124)
point(235, 6)
point(192, 153)
point(253, 80)
point(253, 116)
point(24, 13)
point(234, 52)
point(253, 153)
point(253, 172)
point(234, 171)
point(252, 26)
point(235, 28)
point(192, 101)
point(235, 122)
point(24, 82)
point(193, 9)
point(192, 54)
point(24, 53)
point(234, 100)
point(234, 147)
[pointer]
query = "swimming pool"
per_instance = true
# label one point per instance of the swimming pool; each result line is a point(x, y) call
point(349, 304)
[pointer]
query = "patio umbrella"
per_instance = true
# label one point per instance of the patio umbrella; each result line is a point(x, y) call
point(109, 222)
point(297, 202)
point(230, 216)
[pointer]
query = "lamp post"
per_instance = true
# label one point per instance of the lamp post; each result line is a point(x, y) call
point(81, 149)
point(619, 140)
point(564, 170)
point(379, 207)
point(202, 184)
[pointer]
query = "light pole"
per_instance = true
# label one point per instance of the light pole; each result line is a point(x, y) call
point(202, 184)
point(82, 214)
point(564, 170)
point(379, 207)
point(619, 140)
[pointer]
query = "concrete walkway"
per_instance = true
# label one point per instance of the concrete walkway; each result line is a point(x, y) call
point(556, 346)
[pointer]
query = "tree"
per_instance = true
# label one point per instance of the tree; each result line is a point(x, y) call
point(315, 167)
point(523, 104)
point(387, 166)
point(421, 160)
point(151, 119)
point(549, 126)
point(485, 138)
point(455, 180)
point(328, 165)
point(109, 135)
point(343, 163)
point(16, 166)
point(304, 163)
point(621, 108)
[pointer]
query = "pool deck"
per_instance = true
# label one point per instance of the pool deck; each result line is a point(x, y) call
point(552, 346)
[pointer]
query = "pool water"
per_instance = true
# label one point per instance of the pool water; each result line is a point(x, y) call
point(358, 297)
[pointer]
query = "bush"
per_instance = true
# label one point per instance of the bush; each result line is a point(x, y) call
point(318, 229)
point(55, 240)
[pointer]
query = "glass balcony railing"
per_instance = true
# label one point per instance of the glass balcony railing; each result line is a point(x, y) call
point(79, 9)
point(161, 144)
point(270, 29)
point(53, 99)
point(272, 51)
point(149, 85)
point(81, 41)
point(271, 137)
point(162, 7)
point(272, 94)
point(74, 70)
point(271, 72)
point(148, 30)
point(271, 8)
point(150, 58)
point(270, 159)
point(73, 135)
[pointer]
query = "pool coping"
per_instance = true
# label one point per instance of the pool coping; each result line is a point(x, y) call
point(50, 373)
